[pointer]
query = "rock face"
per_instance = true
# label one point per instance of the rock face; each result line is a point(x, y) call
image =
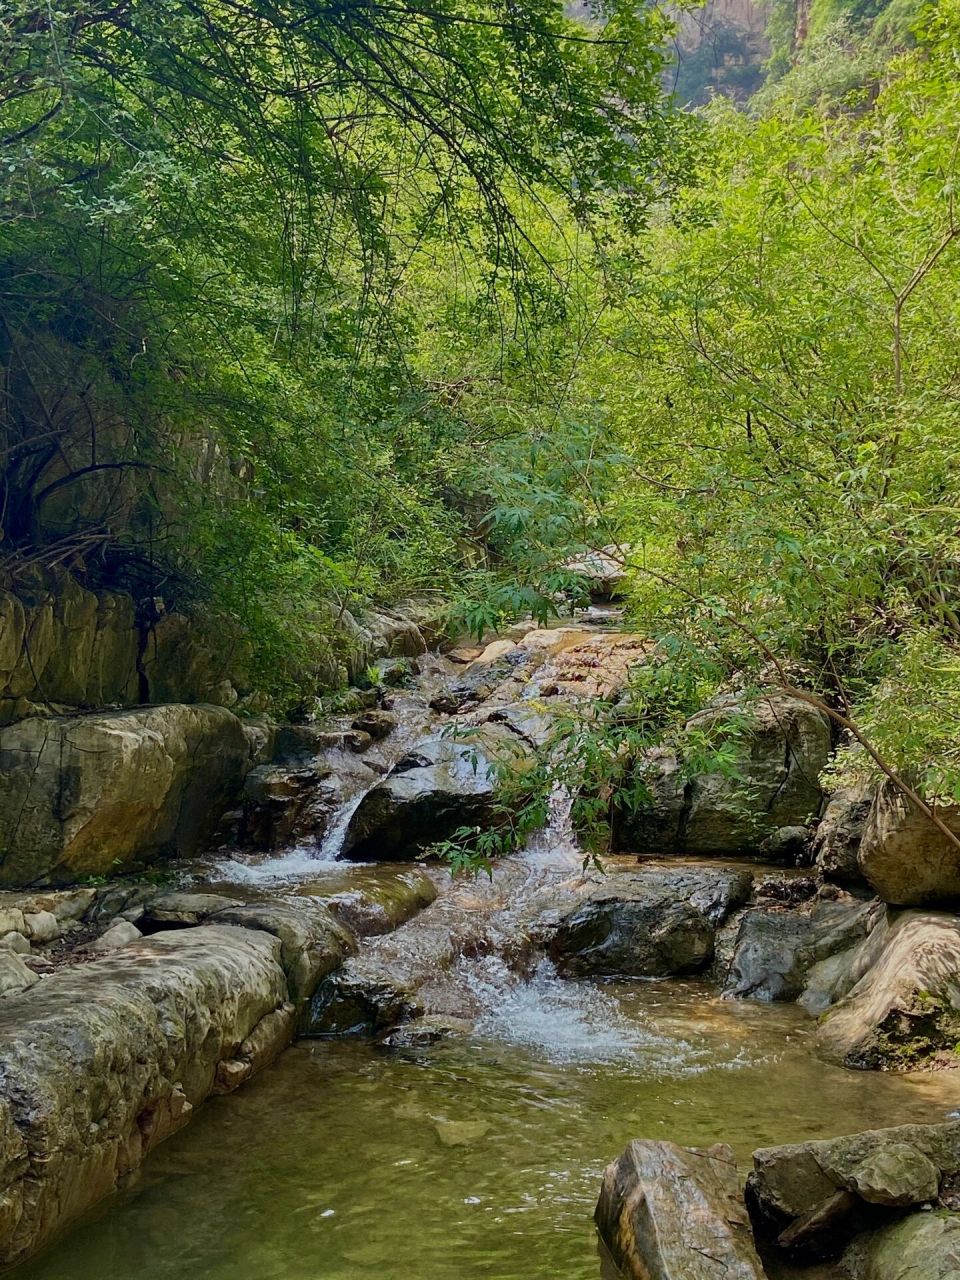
point(903, 1006)
point(64, 644)
point(444, 784)
point(781, 744)
point(836, 845)
point(650, 922)
point(94, 793)
point(813, 1197)
point(283, 803)
point(903, 855)
point(675, 1213)
point(102, 1062)
point(773, 948)
point(602, 571)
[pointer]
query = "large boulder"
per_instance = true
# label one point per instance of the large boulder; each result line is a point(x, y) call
point(811, 1198)
point(101, 1062)
point(778, 746)
point(923, 1246)
point(836, 845)
point(285, 803)
point(675, 1213)
point(904, 1011)
point(441, 785)
point(905, 858)
point(108, 791)
point(649, 922)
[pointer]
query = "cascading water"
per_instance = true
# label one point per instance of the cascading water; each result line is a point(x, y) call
point(478, 1156)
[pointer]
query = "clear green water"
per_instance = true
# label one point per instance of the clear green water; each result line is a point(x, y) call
point(474, 1159)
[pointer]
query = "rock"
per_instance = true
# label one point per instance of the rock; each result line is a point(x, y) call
point(14, 974)
point(112, 790)
point(63, 644)
point(118, 935)
point(12, 920)
point(902, 854)
point(924, 1246)
point(836, 844)
point(178, 909)
point(494, 652)
point(602, 570)
point(878, 1169)
point(282, 804)
point(312, 942)
point(904, 1012)
point(461, 1133)
point(426, 1031)
point(897, 1175)
point(650, 922)
point(15, 942)
point(440, 786)
point(675, 1213)
point(773, 948)
point(65, 904)
point(375, 723)
point(362, 999)
point(103, 1061)
point(463, 655)
point(379, 903)
point(780, 744)
point(42, 926)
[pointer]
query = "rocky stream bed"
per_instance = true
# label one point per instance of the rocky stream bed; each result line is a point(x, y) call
point(454, 1061)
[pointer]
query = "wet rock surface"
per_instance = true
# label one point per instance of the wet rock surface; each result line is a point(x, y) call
point(675, 1213)
point(441, 785)
point(649, 922)
point(505, 704)
point(772, 947)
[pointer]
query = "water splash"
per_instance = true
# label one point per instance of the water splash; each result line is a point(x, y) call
point(572, 1023)
point(301, 862)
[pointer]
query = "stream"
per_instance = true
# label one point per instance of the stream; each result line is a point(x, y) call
point(478, 1155)
point(471, 1159)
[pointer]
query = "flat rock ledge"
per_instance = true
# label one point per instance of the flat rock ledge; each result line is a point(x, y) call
point(101, 1062)
point(675, 1213)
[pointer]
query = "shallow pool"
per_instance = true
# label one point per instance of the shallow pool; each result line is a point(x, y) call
point(477, 1158)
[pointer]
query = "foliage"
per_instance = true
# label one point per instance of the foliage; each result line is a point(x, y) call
point(792, 419)
point(221, 380)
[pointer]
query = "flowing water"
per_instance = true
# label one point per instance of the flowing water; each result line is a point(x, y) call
point(479, 1158)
